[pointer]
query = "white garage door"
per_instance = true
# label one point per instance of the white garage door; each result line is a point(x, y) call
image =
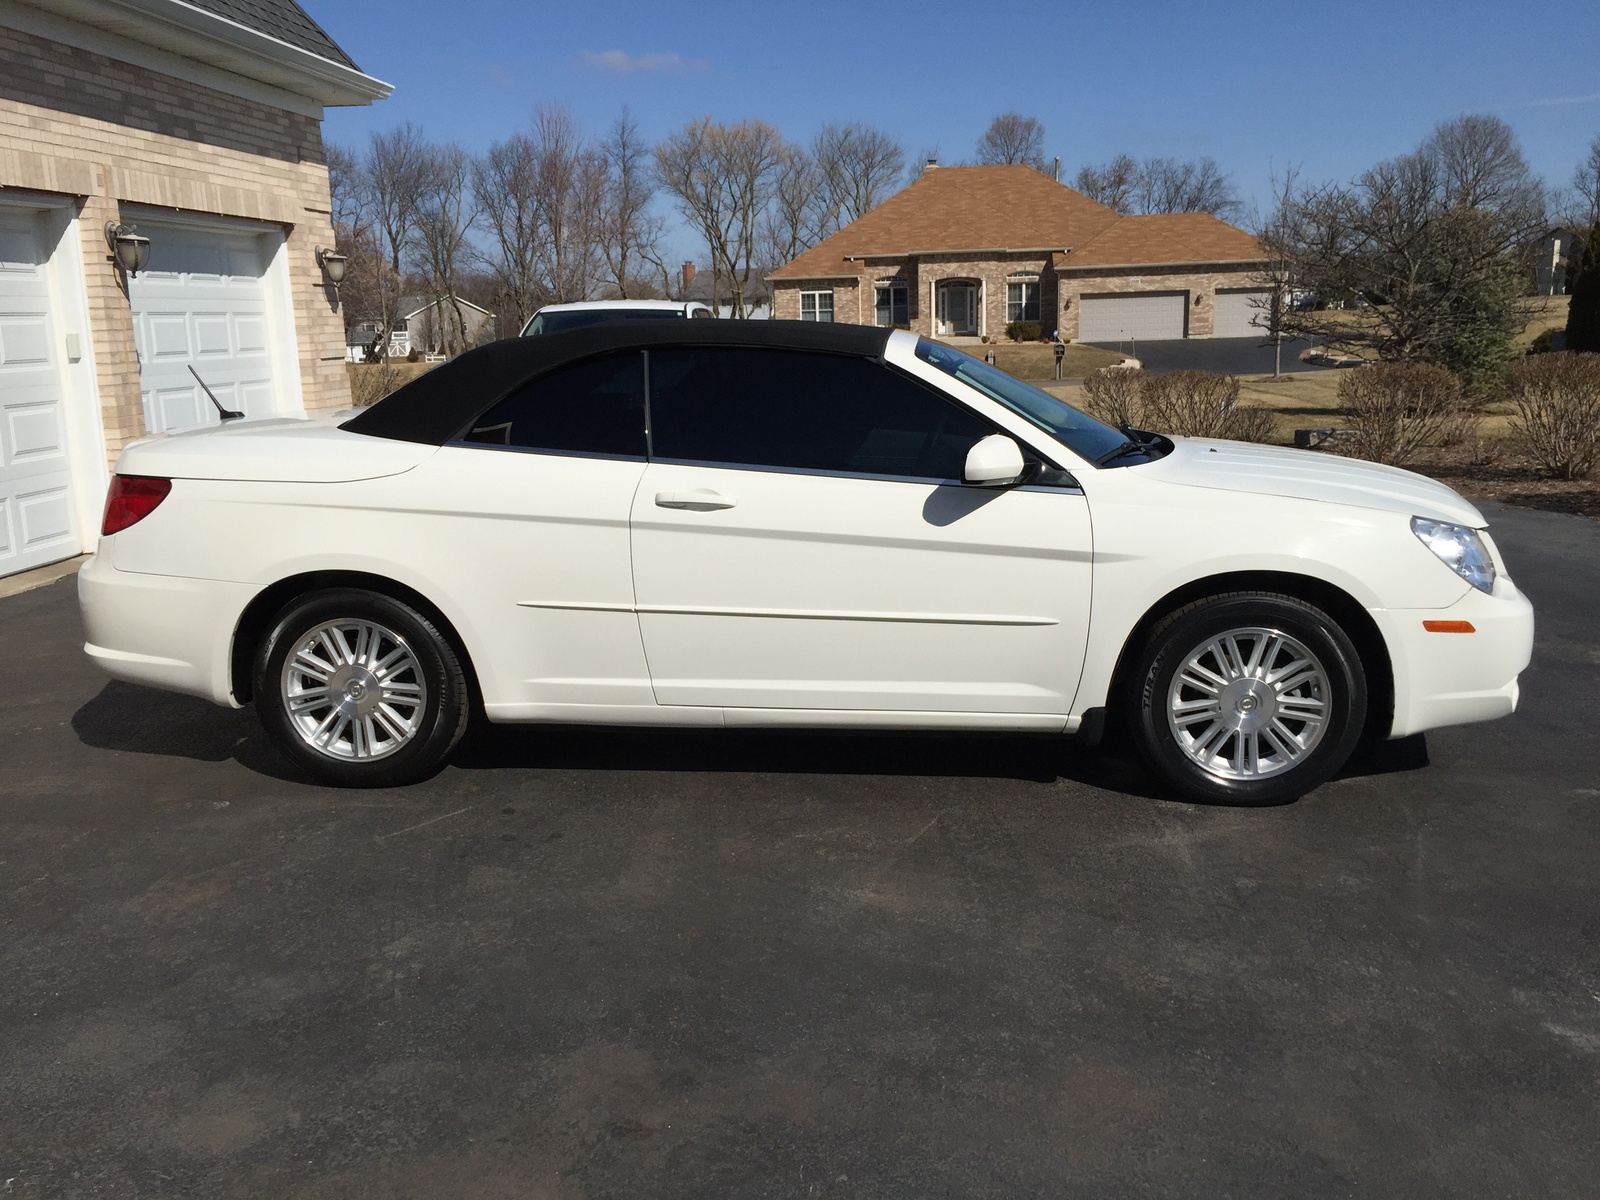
point(1239, 314)
point(202, 302)
point(37, 525)
point(1146, 316)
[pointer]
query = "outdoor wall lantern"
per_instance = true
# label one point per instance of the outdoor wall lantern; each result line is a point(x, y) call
point(333, 265)
point(1199, 300)
point(130, 248)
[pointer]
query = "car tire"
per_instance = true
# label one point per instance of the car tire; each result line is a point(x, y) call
point(1246, 698)
point(359, 689)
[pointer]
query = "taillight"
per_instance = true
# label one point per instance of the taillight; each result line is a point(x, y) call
point(132, 498)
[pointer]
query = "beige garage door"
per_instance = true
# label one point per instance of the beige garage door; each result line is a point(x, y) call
point(37, 504)
point(1240, 314)
point(1140, 316)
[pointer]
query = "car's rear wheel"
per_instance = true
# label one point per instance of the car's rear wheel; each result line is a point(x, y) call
point(359, 689)
point(1247, 698)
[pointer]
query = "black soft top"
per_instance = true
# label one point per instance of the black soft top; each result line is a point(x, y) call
point(436, 406)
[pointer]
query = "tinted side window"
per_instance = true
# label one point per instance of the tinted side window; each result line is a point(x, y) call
point(786, 408)
point(591, 407)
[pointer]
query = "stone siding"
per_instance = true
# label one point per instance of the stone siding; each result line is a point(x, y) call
point(108, 133)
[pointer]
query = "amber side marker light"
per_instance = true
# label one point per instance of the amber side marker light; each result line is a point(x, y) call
point(131, 499)
point(1449, 627)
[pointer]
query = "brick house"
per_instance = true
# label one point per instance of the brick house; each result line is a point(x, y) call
point(963, 251)
point(200, 123)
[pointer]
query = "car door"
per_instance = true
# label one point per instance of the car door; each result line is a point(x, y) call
point(529, 509)
point(801, 541)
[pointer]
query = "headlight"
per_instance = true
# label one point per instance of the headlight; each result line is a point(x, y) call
point(1459, 548)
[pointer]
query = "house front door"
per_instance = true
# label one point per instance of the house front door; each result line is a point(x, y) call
point(958, 309)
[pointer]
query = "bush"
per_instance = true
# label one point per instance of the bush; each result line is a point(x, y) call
point(1196, 403)
point(1548, 342)
point(1023, 331)
point(1558, 411)
point(1191, 403)
point(1397, 408)
point(1111, 394)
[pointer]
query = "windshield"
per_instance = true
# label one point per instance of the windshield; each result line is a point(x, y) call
point(1086, 436)
point(558, 322)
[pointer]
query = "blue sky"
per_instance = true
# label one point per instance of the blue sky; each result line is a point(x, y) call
point(1331, 87)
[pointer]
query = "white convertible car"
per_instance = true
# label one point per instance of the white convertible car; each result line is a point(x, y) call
point(777, 524)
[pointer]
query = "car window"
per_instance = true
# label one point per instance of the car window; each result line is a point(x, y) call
point(803, 411)
point(558, 322)
point(1087, 436)
point(590, 407)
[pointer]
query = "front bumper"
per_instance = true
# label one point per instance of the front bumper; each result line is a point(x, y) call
point(163, 631)
point(1458, 678)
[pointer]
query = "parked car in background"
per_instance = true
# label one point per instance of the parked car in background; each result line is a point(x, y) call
point(793, 524)
point(558, 318)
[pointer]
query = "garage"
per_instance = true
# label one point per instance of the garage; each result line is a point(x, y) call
point(38, 524)
point(1241, 314)
point(1147, 316)
point(205, 306)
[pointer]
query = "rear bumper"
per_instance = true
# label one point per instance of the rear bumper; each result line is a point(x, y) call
point(1458, 678)
point(163, 631)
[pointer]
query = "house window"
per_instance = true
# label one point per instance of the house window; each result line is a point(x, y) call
point(816, 306)
point(893, 305)
point(1022, 301)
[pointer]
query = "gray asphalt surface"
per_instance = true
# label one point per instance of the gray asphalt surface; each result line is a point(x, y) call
point(595, 963)
point(1236, 356)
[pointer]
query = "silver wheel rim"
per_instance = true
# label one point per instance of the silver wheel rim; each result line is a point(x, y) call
point(354, 690)
point(1248, 703)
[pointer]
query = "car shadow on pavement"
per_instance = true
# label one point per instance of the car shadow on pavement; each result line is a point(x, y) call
point(131, 719)
point(139, 720)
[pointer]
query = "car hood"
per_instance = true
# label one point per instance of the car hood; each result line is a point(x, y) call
point(1308, 475)
point(282, 450)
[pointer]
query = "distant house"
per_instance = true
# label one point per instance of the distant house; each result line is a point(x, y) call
point(964, 251)
point(422, 323)
point(695, 284)
point(1557, 258)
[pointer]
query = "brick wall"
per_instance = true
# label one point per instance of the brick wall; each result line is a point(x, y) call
point(109, 133)
point(854, 296)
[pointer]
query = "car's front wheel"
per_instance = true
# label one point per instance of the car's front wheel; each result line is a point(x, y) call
point(359, 689)
point(1247, 698)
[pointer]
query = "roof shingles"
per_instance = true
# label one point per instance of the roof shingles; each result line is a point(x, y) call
point(951, 209)
point(281, 19)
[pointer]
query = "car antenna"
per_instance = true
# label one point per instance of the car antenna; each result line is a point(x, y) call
point(227, 414)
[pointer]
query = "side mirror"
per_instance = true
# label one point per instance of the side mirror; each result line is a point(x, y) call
point(995, 461)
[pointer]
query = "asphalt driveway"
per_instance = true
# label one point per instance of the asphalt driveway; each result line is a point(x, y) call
point(595, 963)
point(1236, 356)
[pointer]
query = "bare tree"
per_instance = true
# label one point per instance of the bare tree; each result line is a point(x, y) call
point(1170, 185)
point(1480, 165)
point(1277, 234)
point(1160, 185)
point(440, 250)
point(723, 178)
point(505, 184)
point(627, 232)
point(1013, 138)
point(802, 211)
point(1111, 185)
point(1580, 206)
point(1442, 278)
point(391, 173)
point(571, 183)
point(860, 168)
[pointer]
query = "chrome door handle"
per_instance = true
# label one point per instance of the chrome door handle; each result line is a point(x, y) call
point(700, 500)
